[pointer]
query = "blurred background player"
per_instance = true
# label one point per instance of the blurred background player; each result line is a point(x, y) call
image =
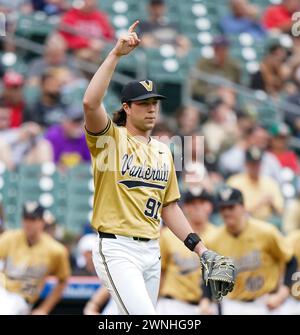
point(180, 277)
point(261, 255)
point(263, 198)
point(293, 239)
point(102, 303)
point(29, 256)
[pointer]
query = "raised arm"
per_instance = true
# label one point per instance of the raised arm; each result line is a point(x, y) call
point(94, 112)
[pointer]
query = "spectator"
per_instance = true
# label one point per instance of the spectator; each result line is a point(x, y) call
point(260, 254)
point(158, 31)
point(279, 147)
point(68, 140)
point(5, 152)
point(50, 7)
point(30, 256)
point(49, 109)
point(86, 28)
point(233, 160)
point(1, 219)
point(263, 199)
point(222, 124)
point(244, 18)
point(55, 56)
point(188, 120)
point(24, 144)
point(291, 116)
point(8, 6)
point(222, 64)
point(278, 18)
point(12, 97)
point(180, 291)
point(270, 76)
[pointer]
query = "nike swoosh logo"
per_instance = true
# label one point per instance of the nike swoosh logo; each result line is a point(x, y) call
point(160, 152)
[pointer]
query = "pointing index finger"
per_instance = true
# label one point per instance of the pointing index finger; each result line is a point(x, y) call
point(133, 26)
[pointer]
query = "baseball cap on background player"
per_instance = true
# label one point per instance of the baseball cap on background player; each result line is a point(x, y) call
point(32, 210)
point(220, 41)
point(229, 196)
point(200, 194)
point(279, 130)
point(254, 154)
point(140, 90)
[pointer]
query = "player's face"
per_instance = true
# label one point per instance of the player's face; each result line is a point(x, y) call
point(232, 216)
point(143, 114)
point(33, 228)
point(198, 211)
point(253, 169)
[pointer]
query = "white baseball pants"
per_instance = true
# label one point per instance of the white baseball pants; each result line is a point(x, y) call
point(130, 270)
point(12, 303)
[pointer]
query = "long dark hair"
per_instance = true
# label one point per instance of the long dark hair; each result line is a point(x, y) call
point(120, 116)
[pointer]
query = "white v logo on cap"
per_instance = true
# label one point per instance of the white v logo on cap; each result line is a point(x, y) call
point(148, 84)
point(225, 194)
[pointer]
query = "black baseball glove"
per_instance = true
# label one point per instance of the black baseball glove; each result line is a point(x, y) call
point(219, 272)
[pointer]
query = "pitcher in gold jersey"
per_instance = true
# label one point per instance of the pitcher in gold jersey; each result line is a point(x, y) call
point(264, 261)
point(29, 256)
point(135, 187)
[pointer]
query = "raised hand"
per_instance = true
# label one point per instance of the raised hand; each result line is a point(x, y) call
point(127, 42)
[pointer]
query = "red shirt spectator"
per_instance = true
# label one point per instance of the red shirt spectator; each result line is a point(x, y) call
point(280, 134)
point(288, 159)
point(13, 97)
point(88, 25)
point(279, 16)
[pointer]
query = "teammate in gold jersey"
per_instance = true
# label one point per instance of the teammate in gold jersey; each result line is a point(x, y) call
point(135, 186)
point(29, 256)
point(260, 254)
point(180, 290)
point(293, 239)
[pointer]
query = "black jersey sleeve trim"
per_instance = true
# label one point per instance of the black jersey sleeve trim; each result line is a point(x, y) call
point(102, 132)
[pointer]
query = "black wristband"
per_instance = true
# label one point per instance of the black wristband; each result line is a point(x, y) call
point(191, 241)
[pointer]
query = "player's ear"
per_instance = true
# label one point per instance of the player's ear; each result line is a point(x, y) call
point(126, 107)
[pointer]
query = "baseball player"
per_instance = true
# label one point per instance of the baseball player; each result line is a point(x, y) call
point(29, 256)
point(293, 239)
point(260, 254)
point(135, 186)
point(180, 277)
point(101, 302)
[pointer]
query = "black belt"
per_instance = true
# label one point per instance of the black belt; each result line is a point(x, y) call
point(108, 235)
point(191, 302)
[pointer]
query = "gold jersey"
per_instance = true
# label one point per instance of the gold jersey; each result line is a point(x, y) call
point(26, 267)
point(133, 181)
point(181, 267)
point(258, 252)
point(293, 239)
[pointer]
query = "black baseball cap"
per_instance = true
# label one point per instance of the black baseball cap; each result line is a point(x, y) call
point(33, 210)
point(140, 90)
point(157, 2)
point(228, 196)
point(254, 154)
point(200, 194)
